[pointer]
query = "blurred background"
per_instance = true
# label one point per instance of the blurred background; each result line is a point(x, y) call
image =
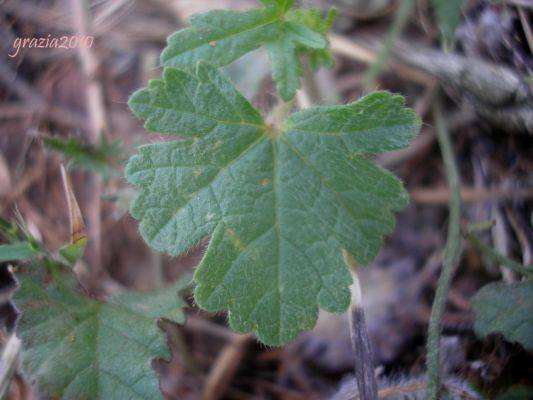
point(68, 106)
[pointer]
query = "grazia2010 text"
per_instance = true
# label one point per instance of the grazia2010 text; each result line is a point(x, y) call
point(50, 42)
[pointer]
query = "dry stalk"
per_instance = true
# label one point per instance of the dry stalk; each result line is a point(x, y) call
point(96, 126)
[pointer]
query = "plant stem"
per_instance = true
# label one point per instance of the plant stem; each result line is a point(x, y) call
point(364, 361)
point(479, 227)
point(95, 108)
point(500, 258)
point(279, 114)
point(451, 257)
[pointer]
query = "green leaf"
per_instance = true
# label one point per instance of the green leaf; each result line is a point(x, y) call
point(72, 252)
point(286, 66)
point(222, 36)
point(78, 348)
point(448, 13)
point(282, 5)
point(507, 309)
point(86, 156)
point(18, 251)
point(280, 206)
point(312, 19)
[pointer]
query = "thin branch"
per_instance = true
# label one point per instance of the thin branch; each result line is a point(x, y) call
point(496, 92)
point(366, 53)
point(451, 257)
point(471, 195)
point(527, 29)
point(96, 126)
point(23, 183)
point(521, 3)
point(224, 368)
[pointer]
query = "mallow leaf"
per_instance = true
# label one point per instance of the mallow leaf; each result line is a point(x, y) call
point(79, 348)
point(279, 204)
point(219, 37)
point(508, 309)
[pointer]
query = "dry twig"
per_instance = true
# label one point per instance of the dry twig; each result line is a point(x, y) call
point(9, 363)
point(496, 92)
point(97, 124)
point(224, 368)
point(441, 196)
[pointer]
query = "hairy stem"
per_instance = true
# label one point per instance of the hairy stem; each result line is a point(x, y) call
point(278, 115)
point(500, 258)
point(364, 361)
point(451, 257)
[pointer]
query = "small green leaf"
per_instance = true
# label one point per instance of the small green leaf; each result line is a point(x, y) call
point(78, 348)
point(448, 13)
point(507, 309)
point(282, 5)
point(280, 206)
point(86, 156)
point(18, 251)
point(312, 19)
point(221, 36)
point(286, 66)
point(72, 252)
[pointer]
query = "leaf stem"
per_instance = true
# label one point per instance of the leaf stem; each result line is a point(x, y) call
point(364, 361)
point(278, 115)
point(500, 258)
point(451, 257)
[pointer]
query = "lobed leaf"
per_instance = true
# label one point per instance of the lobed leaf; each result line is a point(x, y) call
point(279, 206)
point(78, 348)
point(508, 309)
point(219, 37)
